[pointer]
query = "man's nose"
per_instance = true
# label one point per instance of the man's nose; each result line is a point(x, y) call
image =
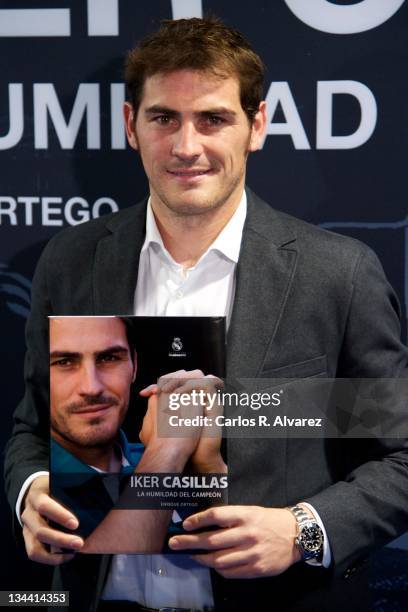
point(187, 142)
point(90, 382)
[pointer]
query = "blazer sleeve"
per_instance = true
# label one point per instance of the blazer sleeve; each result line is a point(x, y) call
point(369, 507)
point(27, 449)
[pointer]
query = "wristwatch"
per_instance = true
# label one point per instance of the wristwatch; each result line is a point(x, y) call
point(309, 539)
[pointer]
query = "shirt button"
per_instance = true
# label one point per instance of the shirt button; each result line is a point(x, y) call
point(161, 572)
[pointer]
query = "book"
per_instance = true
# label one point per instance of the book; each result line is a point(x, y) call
point(132, 466)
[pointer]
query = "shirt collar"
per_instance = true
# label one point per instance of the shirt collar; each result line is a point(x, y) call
point(65, 462)
point(228, 242)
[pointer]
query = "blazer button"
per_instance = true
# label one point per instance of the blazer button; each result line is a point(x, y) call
point(349, 572)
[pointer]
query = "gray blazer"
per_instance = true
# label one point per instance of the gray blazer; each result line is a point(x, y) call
point(307, 302)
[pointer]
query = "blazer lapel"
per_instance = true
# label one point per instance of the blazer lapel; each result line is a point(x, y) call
point(265, 272)
point(117, 262)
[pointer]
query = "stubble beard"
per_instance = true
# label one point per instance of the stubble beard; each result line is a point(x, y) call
point(203, 205)
point(95, 434)
point(93, 437)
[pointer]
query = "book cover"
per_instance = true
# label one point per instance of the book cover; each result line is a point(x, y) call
point(131, 453)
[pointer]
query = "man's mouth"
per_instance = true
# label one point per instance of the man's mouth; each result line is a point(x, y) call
point(94, 408)
point(93, 405)
point(190, 173)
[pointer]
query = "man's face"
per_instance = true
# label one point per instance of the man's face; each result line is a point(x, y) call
point(91, 371)
point(194, 137)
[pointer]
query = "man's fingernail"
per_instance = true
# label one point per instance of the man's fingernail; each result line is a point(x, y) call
point(174, 542)
point(72, 524)
point(76, 543)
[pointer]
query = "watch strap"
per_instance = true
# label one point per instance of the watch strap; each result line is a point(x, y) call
point(303, 519)
point(301, 515)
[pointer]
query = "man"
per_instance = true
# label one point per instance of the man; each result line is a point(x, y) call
point(91, 369)
point(92, 366)
point(300, 302)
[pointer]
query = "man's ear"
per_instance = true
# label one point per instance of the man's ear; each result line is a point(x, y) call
point(134, 366)
point(130, 120)
point(258, 128)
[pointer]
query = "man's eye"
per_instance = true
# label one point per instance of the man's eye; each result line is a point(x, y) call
point(215, 120)
point(162, 119)
point(62, 363)
point(109, 358)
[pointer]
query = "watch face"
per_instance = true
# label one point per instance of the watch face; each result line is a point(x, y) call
point(311, 538)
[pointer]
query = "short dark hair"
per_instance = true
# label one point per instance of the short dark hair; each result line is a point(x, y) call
point(130, 335)
point(206, 45)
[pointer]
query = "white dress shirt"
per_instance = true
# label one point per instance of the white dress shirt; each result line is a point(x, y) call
point(165, 289)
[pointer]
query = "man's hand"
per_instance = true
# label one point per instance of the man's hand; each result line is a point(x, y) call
point(165, 450)
point(205, 454)
point(183, 381)
point(38, 535)
point(250, 542)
